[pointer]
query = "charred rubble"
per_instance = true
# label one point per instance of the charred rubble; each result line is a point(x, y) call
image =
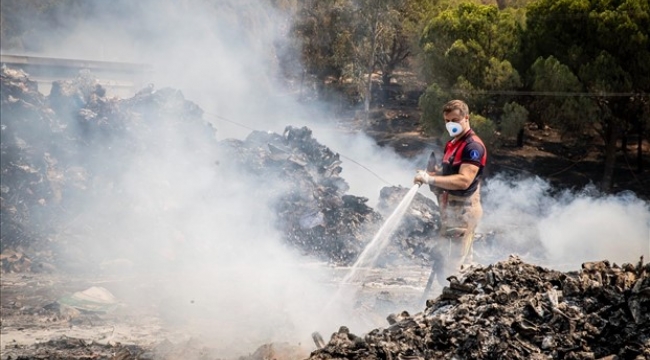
point(412, 239)
point(508, 310)
point(316, 214)
point(51, 146)
point(516, 310)
point(71, 348)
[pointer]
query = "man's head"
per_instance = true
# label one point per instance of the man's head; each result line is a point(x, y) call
point(453, 105)
point(456, 112)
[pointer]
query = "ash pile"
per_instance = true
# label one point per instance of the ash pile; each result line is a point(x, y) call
point(314, 211)
point(516, 310)
point(52, 147)
point(413, 239)
point(316, 214)
point(54, 156)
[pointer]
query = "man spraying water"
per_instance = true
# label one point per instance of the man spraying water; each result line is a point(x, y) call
point(456, 184)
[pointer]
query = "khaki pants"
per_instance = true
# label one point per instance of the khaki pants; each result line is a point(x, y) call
point(459, 217)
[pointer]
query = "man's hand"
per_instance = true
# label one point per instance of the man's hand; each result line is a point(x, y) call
point(422, 178)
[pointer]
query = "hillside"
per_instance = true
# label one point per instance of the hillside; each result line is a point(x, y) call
point(545, 153)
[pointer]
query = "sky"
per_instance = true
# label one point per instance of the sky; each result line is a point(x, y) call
point(239, 281)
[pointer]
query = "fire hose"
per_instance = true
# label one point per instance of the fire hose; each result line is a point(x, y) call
point(437, 261)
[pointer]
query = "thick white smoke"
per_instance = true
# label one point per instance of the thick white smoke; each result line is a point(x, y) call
point(227, 275)
point(584, 228)
point(206, 231)
point(566, 229)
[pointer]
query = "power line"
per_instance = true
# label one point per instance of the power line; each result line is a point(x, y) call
point(341, 155)
point(370, 171)
point(230, 121)
point(551, 93)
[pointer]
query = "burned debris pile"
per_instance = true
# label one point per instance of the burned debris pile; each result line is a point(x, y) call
point(69, 149)
point(315, 213)
point(76, 146)
point(413, 237)
point(515, 310)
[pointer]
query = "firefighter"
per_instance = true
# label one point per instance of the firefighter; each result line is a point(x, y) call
point(456, 183)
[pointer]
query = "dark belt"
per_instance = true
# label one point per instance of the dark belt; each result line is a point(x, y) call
point(458, 202)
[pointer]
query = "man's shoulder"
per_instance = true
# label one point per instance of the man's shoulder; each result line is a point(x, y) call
point(473, 151)
point(474, 143)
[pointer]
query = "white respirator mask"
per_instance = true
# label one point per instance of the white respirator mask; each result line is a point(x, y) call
point(453, 128)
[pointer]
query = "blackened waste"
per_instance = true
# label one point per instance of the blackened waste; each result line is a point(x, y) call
point(508, 310)
point(515, 310)
point(51, 145)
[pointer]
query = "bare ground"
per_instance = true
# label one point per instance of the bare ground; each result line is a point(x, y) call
point(38, 323)
point(544, 153)
point(34, 326)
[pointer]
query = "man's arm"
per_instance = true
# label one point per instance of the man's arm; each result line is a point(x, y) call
point(461, 181)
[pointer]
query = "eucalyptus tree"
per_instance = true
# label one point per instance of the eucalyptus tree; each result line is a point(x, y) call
point(383, 41)
point(605, 45)
point(322, 28)
point(350, 40)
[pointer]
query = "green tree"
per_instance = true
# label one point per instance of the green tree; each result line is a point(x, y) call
point(431, 103)
point(586, 36)
point(513, 120)
point(377, 26)
point(469, 50)
point(485, 129)
point(321, 27)
point(559, 102)
point(463, 40)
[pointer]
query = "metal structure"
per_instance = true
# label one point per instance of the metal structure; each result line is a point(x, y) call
point(118, 78)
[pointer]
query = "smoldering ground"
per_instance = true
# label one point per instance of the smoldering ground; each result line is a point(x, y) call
point(206, 228)
point(171, 208)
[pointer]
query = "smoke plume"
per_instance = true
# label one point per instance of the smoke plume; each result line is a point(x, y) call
point(206, 229)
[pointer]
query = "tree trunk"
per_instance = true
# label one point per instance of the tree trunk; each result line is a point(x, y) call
point(520, 138)
point(610, 155)
point(371, 61)
point(366, 101)
point(385, 80)
point(302, 83)
point(639, 147)
point(370, 70)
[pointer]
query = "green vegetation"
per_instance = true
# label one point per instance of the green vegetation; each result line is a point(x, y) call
point(513, 121)
point(600, 53)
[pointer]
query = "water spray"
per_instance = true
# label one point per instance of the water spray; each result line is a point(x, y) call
point(380, 240)
point(371, 252)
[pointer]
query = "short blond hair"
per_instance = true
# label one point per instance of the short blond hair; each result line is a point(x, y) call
point(456, 105)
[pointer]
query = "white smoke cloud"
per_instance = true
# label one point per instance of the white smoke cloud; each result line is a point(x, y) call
point(227, 275)
point(367, 167)
point(567, 229)
point(590, 229)
point(206, 230)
